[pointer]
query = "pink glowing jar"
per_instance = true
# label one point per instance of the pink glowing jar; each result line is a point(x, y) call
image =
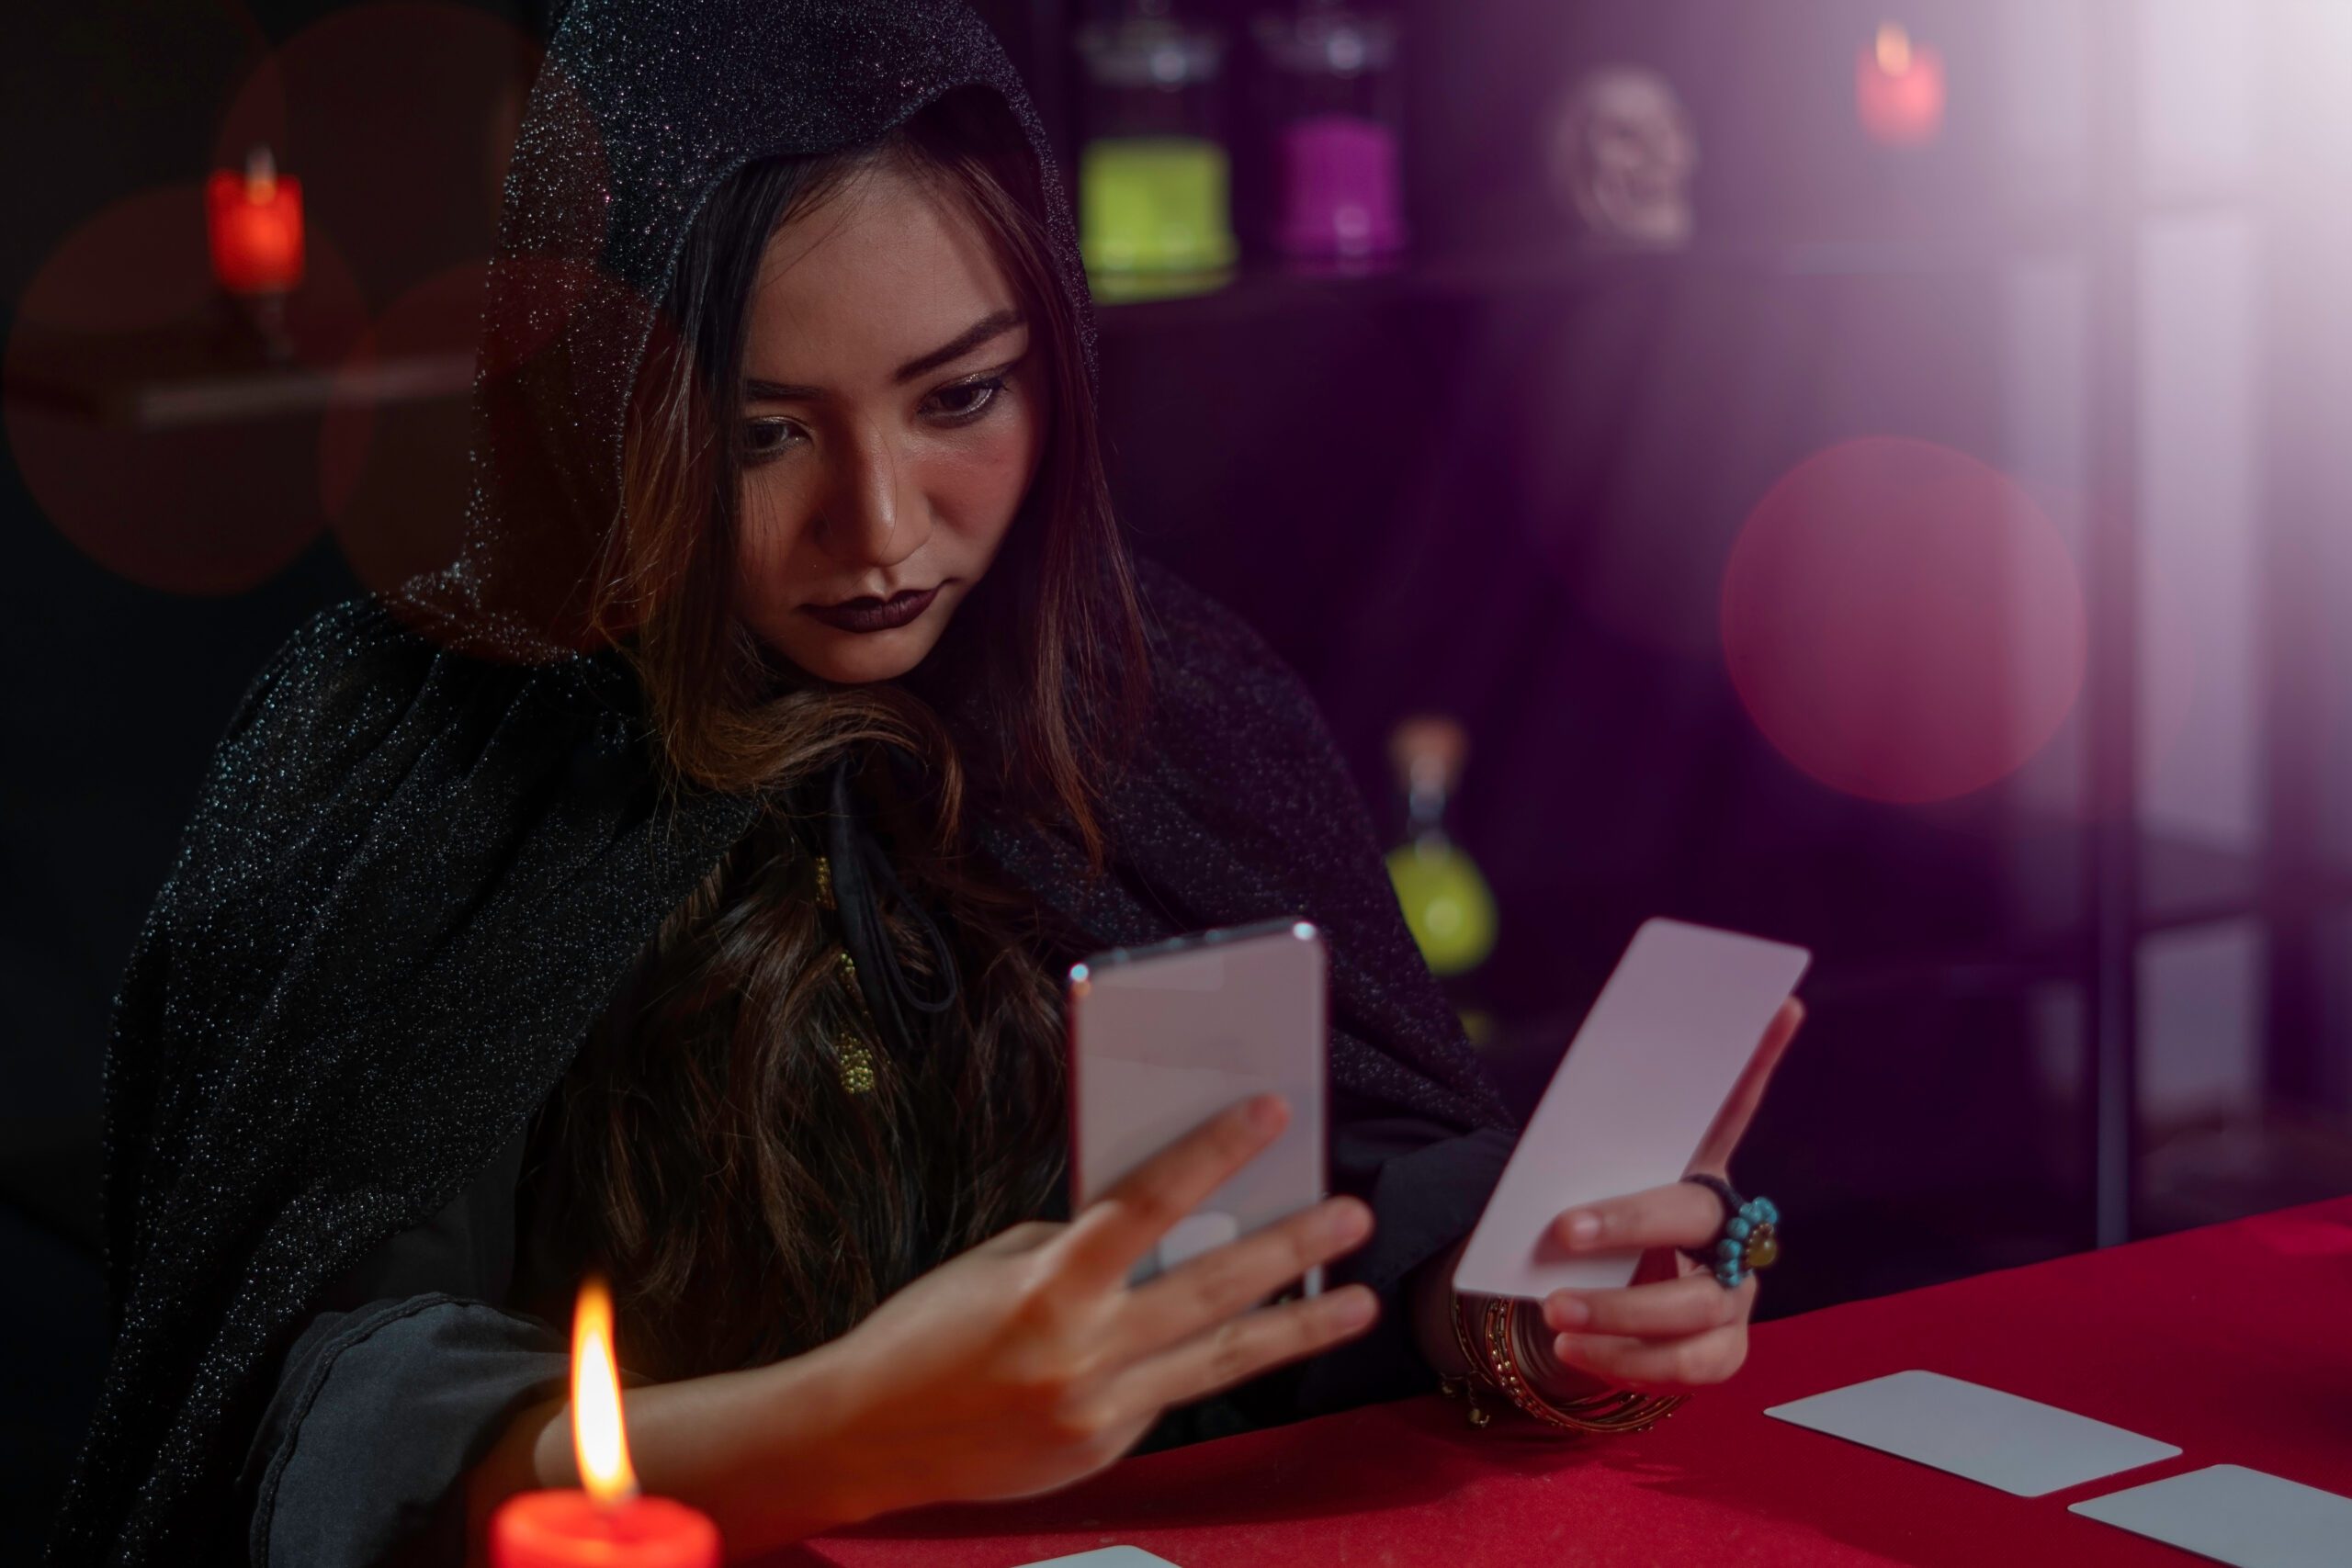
point(1333, 72)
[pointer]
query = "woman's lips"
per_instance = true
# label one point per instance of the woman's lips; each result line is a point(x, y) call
point(872, 615)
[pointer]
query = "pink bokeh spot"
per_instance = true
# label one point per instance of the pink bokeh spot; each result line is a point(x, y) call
point(1903, 622)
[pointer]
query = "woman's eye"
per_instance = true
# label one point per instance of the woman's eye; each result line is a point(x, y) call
point(966, 400)
point(768, 437)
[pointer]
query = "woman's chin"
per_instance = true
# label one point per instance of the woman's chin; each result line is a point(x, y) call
point(860, 658)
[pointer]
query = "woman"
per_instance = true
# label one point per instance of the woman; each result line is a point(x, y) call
point(678, 885)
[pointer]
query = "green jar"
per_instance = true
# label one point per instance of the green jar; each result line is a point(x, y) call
point(1156, 215)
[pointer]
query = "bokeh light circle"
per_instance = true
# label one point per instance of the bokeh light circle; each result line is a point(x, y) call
point(398, 118)
point(1903, 621)
point(473, 376)
point(120, 346)
point(393, 473)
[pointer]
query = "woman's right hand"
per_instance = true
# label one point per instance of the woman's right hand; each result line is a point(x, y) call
point(1028, 1363)
point(1020, 1367)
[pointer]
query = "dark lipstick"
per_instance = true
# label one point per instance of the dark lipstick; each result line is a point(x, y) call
point(868, 614)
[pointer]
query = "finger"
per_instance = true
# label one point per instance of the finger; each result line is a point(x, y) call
point(1666, 1263)
point(1241, 1347)
point(1731, 1123)
point(1105, 1241)
point(1027, 1237)
point(1655, 1366)
point(1682, 1213)
point(1672, 1309)
point(1205, 1291)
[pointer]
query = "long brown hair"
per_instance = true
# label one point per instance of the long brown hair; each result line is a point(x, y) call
point(752, 1192)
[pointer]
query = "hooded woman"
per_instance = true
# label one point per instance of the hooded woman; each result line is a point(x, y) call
point(676, 885)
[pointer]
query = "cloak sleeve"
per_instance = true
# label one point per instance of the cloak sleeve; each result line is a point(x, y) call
point(410, 883)
point(417, 1340)
point(443, 1373)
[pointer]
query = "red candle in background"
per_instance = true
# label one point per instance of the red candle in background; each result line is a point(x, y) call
point(1899, 89)
point(254, 223)
point(607, 1525)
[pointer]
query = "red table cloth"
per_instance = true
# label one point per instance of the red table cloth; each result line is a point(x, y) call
point(2233, 1342)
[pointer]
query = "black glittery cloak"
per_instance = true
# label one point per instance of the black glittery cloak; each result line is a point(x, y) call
point(421, 864)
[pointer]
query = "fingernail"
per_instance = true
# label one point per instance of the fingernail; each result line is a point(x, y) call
point(1568, 1312)
point(1357, 1308)
point(1266, 1112)
point(1350, 1223)
point(1582, 1228)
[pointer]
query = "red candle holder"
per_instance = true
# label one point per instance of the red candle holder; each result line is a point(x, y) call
point(573, 1529)
point(607, 1523)
point(254, 221)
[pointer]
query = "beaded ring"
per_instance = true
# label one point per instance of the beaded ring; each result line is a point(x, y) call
point(1749, 1239)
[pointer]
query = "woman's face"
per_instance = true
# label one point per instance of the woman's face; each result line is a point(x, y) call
point(894, 417)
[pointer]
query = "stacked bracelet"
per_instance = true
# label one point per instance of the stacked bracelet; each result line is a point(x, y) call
point(1492, 1352)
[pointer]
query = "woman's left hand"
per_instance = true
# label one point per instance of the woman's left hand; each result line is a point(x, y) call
point(1674, 1328)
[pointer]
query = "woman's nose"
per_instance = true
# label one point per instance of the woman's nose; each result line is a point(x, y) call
point(876, 515)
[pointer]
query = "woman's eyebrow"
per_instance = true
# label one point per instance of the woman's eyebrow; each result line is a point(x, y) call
point(986, 329)
point(971, 338)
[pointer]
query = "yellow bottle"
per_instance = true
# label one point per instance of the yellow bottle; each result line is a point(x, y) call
point(1447, 905)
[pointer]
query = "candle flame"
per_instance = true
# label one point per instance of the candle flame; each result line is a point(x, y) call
point(597, 1438)
point(261, 176)
point(1893, 49)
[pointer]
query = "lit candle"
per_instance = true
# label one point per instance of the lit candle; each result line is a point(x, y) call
point(254, 221)
point(1899, 89)
point(607, 1525)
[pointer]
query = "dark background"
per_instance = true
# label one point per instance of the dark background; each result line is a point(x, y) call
point(1499, 483)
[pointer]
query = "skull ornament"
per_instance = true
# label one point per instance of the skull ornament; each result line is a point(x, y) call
point(1622, 150)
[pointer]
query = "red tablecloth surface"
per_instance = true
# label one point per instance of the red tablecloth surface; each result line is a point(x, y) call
point(2233, 1342)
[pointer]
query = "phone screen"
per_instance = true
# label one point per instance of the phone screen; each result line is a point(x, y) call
point(1163, 1038)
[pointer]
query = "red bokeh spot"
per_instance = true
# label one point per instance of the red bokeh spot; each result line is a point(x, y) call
point(136, 264)
point(399, 452)
point(1903, 621)
point(393, 473)
point(142, 414)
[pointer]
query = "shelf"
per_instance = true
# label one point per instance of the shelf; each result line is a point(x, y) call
point(214, 371)
point(2184, 885)
point(1263, 290)
point(1881, 931)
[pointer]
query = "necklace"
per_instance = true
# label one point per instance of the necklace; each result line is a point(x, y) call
point(854, 1058)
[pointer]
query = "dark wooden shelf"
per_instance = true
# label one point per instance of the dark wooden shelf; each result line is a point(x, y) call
point(216, 370)
point(2184, 885)
point(1266, 289)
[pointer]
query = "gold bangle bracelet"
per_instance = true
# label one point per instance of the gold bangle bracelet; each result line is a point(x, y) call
point(1495, 1360)
point(1473, 1375)
point(1610, 1410)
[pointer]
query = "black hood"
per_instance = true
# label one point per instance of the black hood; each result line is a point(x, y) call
point(642, 110)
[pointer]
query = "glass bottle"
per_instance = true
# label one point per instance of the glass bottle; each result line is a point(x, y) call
point(1333, 72)
point(1155, 183)
point(1447, 905)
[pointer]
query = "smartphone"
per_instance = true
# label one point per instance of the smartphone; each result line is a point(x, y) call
point(1166, 1036)
point(1656, 1058)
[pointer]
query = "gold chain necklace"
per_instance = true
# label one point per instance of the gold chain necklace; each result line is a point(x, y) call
point(854, 1056)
